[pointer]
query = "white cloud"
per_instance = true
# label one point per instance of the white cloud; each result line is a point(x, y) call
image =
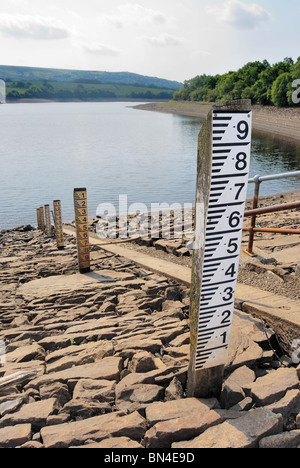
point(132, 13)
point(100, 49)
point(239, 14)
point(164, 40)
point(33, 27)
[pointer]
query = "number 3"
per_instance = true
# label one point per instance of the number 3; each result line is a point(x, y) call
point(229, 294)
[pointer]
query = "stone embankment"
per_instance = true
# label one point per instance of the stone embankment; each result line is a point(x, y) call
point(283, 122)
point(100, 360)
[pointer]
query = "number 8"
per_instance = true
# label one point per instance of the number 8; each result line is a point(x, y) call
point(241, 163)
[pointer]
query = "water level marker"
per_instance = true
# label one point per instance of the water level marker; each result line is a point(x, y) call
point(222, 180)
point(58, 224)
point(82, 229)
point(48, 228)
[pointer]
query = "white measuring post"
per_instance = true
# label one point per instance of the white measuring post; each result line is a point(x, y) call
point(58, 224)
point(222, 179)
point(82, 229)
point(2, 92)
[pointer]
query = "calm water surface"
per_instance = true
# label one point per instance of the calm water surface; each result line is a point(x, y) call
point(49, 149)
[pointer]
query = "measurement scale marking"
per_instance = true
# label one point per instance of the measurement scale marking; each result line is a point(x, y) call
point(227, 176)
point(211, 331)
point(222, 118)
point(231, 141)
point(221, 151)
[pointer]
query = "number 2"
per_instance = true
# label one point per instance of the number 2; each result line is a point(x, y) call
point(226, 314)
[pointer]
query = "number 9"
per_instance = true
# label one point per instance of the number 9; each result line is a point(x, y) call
point(243, 129)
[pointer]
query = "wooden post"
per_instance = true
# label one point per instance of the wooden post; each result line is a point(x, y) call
point(58, 224)
point(38, 216)
point(82, 229)
point(48, 229)
point(42, 218)
point(222, 179)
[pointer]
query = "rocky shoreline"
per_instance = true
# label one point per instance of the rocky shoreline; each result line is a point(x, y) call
point(100, 360)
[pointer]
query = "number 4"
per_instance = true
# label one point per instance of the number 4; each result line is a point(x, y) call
point(231, 271)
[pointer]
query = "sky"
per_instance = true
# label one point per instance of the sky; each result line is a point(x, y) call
point(172, 39)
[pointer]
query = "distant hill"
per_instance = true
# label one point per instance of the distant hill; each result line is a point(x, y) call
point(14, 73)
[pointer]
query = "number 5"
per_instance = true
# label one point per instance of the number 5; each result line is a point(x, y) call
point(232, 244)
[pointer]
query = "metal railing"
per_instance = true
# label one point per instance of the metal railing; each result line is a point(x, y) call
point(257, 180)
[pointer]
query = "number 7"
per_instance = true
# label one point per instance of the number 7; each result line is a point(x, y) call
point(239, 190)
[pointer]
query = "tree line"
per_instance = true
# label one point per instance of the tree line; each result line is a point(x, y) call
point(61, 91)
point(261, 82)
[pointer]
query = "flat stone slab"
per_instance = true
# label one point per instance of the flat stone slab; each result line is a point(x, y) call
point(164, 411)
point(97, 429)
point(106, 369)
point(244, 432)
point(37, 413)
point(64, 284)
point(14, 436)
point(270, 388)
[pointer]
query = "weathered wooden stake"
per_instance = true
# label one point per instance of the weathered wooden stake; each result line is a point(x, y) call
point(222, 179)
point(38, 216)
point(82, 229)
point(58, 224)
point(42, 218)
point(48, 229)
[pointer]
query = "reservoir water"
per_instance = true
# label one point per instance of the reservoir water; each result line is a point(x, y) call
point(48, 149)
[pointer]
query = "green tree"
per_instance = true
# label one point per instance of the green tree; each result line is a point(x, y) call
point(280, 89)
point(258, 81)
point(13, 94)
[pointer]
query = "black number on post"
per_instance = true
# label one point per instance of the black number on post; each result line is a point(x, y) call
point(243, 129)
point(232, 243)
point(234, 219)
point(239, 190)
point(241, 161)
point(226, 314)
point(231, 271)
point(224, 337)
point(229, 294)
